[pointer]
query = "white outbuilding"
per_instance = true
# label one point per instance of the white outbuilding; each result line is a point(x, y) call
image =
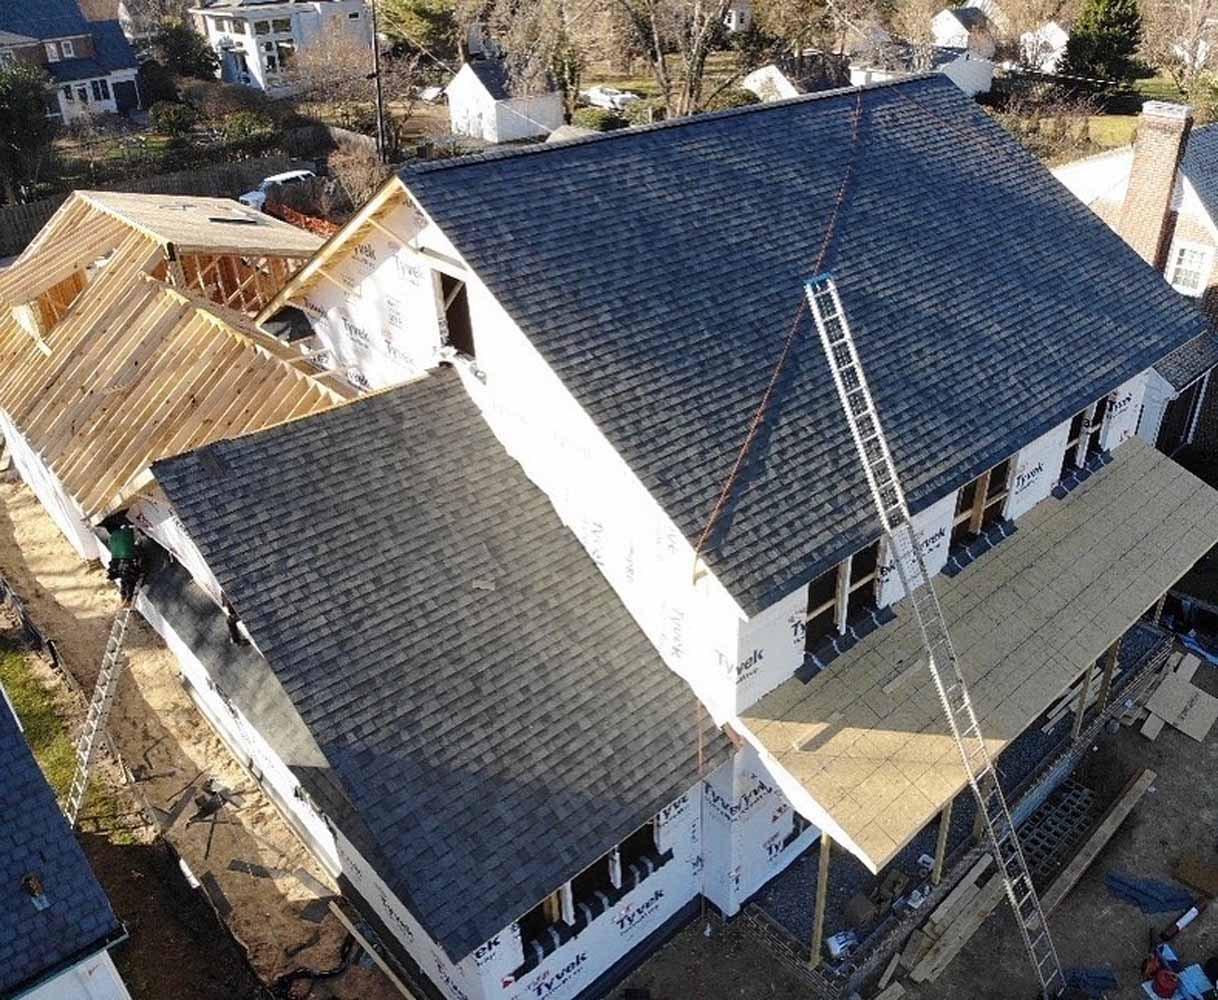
point(483, 103)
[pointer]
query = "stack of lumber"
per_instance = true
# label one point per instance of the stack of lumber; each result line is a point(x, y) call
point(950, 927)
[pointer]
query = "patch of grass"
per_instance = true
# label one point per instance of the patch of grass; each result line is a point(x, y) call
point(1111, 131)
point(45, 731)
point(1159, 88)
point(50, 736)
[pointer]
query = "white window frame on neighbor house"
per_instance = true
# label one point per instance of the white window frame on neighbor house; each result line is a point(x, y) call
point(52, 52)
point(67, 49)
point(1202, 267)
point(101, 90)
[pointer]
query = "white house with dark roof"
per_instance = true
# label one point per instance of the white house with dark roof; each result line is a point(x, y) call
point(532, 669)
point(967, 28)
point(256, 40)
point(484, 103)
point(1161, 194)
point(56, 924)
point(91, 66)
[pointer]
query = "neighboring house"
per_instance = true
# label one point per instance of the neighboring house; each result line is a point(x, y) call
point(91, 65)
point(1045, 48)
point(816, 72)
point(483, 103)
point(256, 41)
point(895, 60)
point(739, 16)
point(56, 924)
point(482, 675)
point(1169, 214)
point(966, 28)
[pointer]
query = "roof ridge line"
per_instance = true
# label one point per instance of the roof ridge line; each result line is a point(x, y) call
point(494, 155)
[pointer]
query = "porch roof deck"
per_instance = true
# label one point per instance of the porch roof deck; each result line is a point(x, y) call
point(1026, 619)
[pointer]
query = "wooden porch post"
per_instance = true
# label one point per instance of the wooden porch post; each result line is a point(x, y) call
point(1159, 608)
point(1110, 662)
point(822, 891)
point(945, 822)
point(1080, 709)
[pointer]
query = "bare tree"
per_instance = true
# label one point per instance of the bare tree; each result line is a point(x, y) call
point(337, 71)
point(911, 19)
point(686, 28)
point(547, 42)
point(1180, 37)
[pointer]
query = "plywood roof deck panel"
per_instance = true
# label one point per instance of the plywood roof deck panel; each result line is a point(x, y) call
point(1027, 619)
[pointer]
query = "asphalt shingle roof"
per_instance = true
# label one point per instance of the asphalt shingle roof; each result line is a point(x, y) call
point(495, 715)
point(493, 75)
point(112, 52)
point(43, 19)
point(662, 300)
point(1190, 361)
point(1200, 166)
point(35, 839)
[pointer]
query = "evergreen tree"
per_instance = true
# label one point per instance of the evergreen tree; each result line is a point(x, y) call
point(1104, 40)
point(25, 130)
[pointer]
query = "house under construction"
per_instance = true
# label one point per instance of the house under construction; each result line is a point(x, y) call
point(537, 656)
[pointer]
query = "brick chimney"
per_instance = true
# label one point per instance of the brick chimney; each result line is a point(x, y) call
point(1146, 217)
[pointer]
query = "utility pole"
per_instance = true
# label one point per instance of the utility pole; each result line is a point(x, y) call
point(381, 142)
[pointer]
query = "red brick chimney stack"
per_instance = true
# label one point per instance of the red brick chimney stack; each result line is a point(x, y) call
point(1146, 217)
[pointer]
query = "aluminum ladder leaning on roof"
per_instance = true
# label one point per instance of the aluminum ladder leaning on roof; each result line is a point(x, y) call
point(905, 542)
point(100, 704)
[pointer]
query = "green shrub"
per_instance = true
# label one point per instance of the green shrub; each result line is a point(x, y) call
point(171, 118)
point(248, 131)
point(732, 97)
point(646, 111)
point(215, 101)
point(598, 119)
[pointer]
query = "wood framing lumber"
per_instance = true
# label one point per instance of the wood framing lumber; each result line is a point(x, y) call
point(1116, 815)
point(822, 893)
point(966, 888)
point(959, 933)
point(1152, 727)
point(1080, 710)
point(915, 949)
point(1197, 873)
point(372, 953)
point(945, 824)
point(1110, 661)
point(890, 970)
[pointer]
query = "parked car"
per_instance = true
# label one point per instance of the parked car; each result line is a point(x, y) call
point(609, 98)
point(257, 197)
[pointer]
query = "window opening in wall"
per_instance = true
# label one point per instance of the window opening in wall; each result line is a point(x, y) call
point(839, 595)
point(101, 90)
point(68, 49)
point(1083, 439)
point(456, 314)
point(52, 52)
point(262, 27)
point(979, 505)
point(281, 25)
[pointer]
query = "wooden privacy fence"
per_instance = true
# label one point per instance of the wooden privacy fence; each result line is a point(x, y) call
point(19, 224)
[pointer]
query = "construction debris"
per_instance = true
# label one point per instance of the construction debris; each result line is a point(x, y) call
point(1103, 833)
point(1148, 895)
point(1184, 706)
point(953, 923)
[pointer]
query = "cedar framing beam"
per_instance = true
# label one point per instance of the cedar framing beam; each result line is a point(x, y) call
point(978, 514)
point(822, 891)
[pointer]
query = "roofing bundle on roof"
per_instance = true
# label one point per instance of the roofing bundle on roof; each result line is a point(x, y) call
point(988, 305)
point(496, 717)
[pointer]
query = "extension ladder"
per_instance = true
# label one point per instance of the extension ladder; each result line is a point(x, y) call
point(99, 711)
point(906, 548)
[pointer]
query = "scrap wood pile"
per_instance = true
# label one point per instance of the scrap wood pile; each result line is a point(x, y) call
point(1172, 699)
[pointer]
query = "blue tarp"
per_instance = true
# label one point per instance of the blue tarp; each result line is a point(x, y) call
point(1148, 895)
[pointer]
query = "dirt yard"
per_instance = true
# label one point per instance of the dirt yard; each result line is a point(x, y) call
point(1091, 927)
point(270, 893)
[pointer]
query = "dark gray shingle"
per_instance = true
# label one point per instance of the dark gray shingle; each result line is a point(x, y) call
point(988, 304)
point(496, 717)
point(1190, 361)
point(112, 52)
point(43, 18)
point(35, 839)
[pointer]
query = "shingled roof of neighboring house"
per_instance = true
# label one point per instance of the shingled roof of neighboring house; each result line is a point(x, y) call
point(35, 840)
point(112, 52)
point(1190, 361)
point(44, 19)
point(663, 301)
point(1200, 166)
point(456, 654)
